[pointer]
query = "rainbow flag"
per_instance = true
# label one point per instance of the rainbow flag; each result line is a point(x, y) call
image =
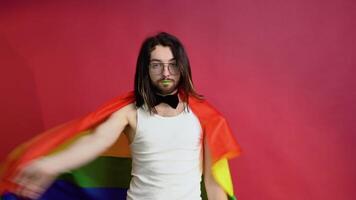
point(108, 176)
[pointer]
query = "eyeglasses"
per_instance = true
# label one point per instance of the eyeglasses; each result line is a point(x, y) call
point(157, 67)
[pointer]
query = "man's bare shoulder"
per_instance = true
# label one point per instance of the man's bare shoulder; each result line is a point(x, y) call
point(126, 111)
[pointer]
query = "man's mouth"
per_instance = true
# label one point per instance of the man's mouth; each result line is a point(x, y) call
point(165, 82)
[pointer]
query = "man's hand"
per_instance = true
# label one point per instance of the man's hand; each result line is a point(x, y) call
point(34, 179)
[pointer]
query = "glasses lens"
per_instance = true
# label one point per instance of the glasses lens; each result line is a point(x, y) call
point(173, 68)
point(157, 67)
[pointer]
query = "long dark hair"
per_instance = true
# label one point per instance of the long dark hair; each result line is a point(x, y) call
point(144, 90)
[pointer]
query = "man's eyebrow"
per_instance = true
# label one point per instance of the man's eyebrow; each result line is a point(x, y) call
point(158, 60)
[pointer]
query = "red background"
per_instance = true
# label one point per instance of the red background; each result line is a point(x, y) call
point(281, 71)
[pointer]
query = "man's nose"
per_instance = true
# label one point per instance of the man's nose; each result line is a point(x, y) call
point(166, 71)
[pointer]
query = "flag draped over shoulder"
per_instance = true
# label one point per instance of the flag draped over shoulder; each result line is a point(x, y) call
point(108, 176)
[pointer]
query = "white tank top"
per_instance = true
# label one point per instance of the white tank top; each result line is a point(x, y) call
point(166, 157)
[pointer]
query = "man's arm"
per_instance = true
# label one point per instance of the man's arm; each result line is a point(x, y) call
point(213, 190)
point(90, 146)
point(35, 177)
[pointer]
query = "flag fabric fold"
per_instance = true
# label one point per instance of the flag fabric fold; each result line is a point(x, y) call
point(108, 176)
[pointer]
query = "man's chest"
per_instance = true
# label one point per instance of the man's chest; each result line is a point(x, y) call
point(162, 110)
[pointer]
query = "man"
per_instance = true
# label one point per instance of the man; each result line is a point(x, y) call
point(174, 136)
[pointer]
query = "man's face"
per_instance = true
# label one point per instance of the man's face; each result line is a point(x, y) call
point(163, 71)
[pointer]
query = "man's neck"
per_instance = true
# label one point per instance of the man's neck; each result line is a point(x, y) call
point(173, 92)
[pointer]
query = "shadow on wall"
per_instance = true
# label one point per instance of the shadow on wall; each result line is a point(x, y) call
point(19, 103)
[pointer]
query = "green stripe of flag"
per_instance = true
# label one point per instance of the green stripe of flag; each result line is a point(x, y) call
point(103, 172)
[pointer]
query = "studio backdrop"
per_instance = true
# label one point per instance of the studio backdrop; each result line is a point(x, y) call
point(282, 72)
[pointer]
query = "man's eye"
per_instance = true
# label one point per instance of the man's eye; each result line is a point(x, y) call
point(155, 65)
point(174, 65)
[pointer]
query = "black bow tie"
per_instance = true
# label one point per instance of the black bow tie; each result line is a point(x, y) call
point(172, 100)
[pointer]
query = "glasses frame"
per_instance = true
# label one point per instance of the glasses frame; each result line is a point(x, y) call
point(173, 68)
